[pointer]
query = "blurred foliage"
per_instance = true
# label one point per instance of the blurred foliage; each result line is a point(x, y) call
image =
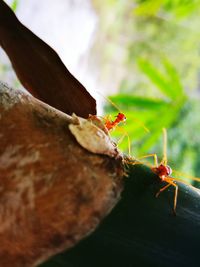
point(176, 9)
point(160, 80)
point(173, 110)
point(151, 47)
point(14, 5)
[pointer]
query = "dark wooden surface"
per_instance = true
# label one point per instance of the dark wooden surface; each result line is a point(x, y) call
point(40, 69)
point(142, 230)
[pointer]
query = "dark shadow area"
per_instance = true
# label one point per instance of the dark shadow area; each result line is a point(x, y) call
point(142, 230)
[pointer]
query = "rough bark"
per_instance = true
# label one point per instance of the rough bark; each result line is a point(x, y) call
point(53, 191)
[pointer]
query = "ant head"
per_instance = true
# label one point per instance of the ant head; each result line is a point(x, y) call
point(121, 116)
point(164, 170)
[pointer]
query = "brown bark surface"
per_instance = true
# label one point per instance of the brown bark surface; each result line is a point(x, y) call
point(53, 191)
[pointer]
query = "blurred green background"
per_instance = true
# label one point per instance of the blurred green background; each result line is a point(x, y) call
point(151, 48)
point(160, 87)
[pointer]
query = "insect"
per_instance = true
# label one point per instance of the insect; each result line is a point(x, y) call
point(110, 125)
point(164, 172)
point(121, 117)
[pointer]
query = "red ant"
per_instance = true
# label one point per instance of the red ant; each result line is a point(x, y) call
point(110, 125)
point(107, 124)
point(164, 171)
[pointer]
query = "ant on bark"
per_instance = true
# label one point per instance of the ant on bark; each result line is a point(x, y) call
point(164, 171)
point(110, 124)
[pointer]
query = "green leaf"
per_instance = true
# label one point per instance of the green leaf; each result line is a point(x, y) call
point(174, 79)
point(156, 77)
point(131, 102)
point(185, 9)
point(14, 5)
point(148, 8)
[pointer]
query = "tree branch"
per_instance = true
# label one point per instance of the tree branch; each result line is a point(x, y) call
point(53, 191)
point(141, 230)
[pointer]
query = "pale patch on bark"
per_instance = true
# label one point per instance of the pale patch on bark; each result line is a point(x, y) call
point(12, 156)
point(93, 138)
point(15, 205)
point(29, 159)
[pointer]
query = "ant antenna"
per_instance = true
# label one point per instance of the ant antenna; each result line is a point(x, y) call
point(114, 105)
point(164, 160)
point(141, 124)
point(111, 102)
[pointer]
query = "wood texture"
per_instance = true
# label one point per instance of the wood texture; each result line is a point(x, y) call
point(53, 191)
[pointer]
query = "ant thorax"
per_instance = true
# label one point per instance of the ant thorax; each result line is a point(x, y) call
point(162, 171)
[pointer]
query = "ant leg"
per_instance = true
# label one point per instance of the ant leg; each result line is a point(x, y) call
point(108, 123)
point(162, 189)
point(141, 124)
point(136, 161)
point(164, 159)
point(175, 198)
point(107, 118)
point(170, 182)
point(149, 156)
point(125, 134)
point(190, 177)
